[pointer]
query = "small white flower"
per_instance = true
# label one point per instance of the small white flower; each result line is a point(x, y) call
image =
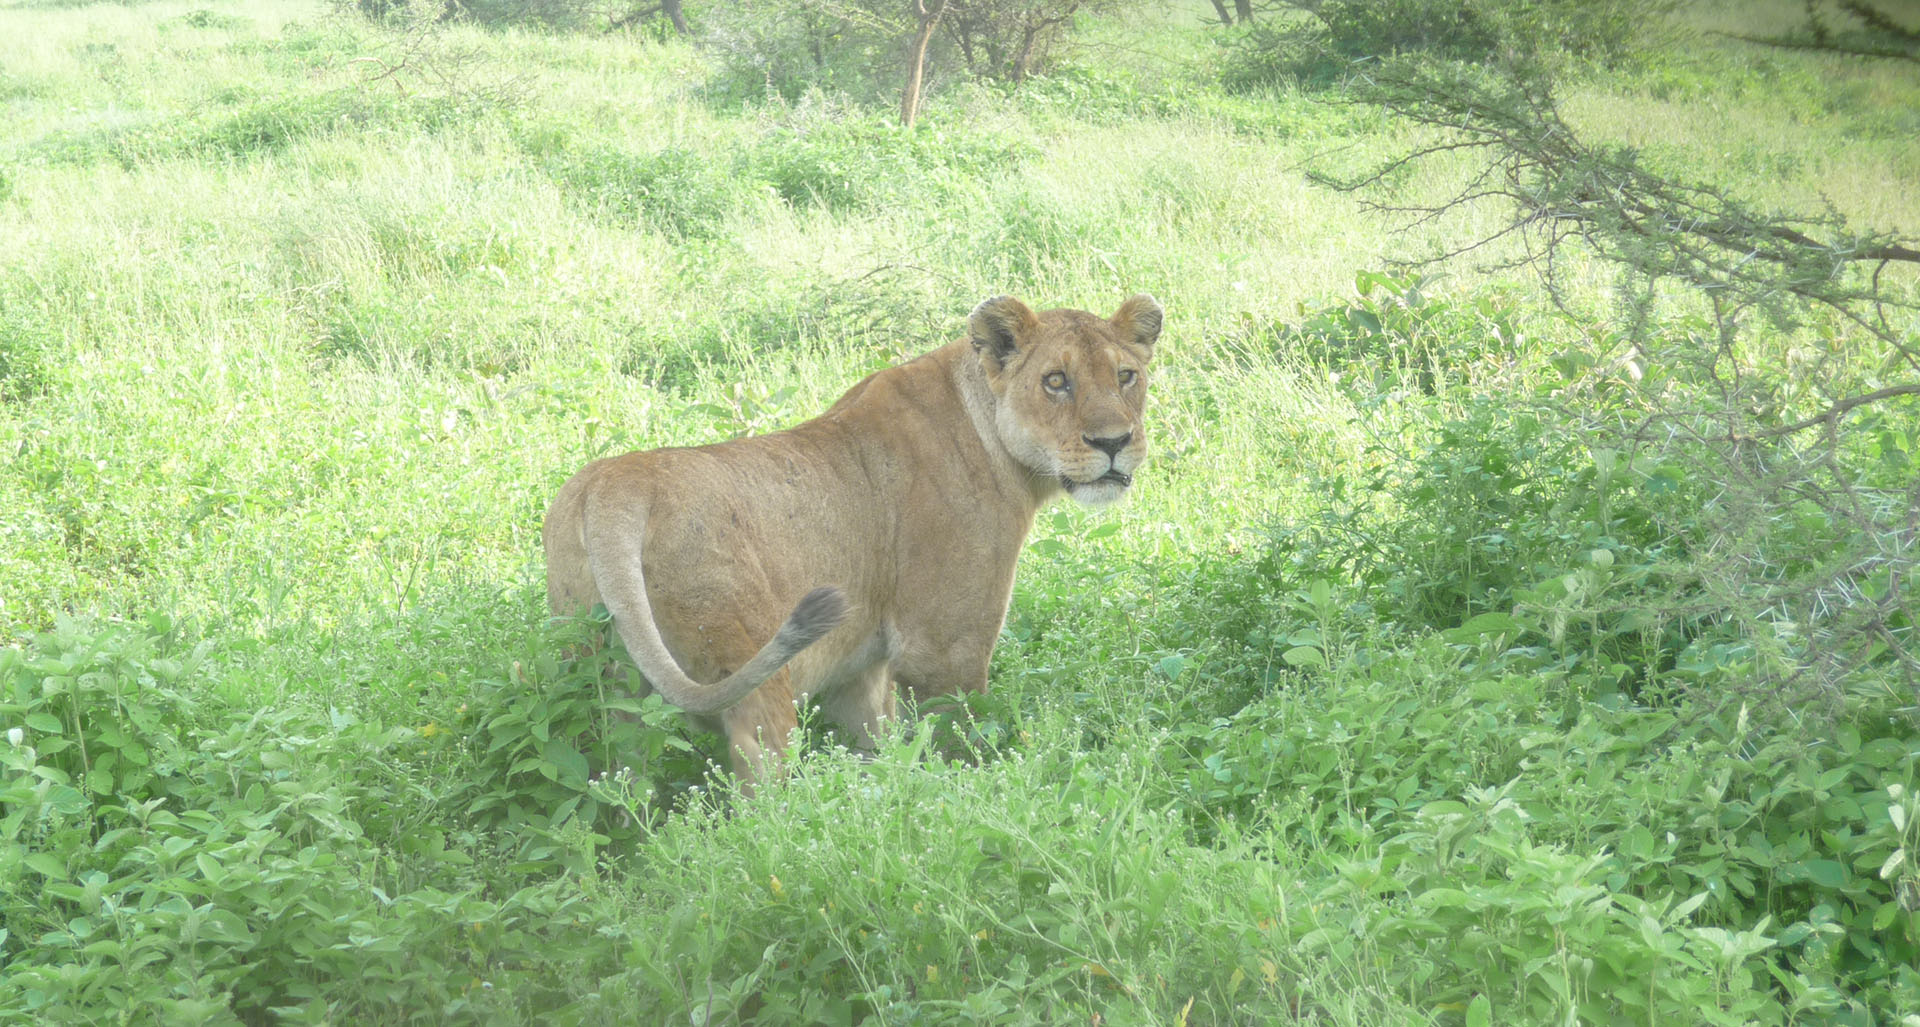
point(15, 737)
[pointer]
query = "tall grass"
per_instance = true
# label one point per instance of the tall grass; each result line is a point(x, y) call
point(292, 357)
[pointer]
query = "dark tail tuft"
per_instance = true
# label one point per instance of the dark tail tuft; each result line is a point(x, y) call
point(818, 613)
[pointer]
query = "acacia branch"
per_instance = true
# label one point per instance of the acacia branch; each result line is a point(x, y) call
point(1895, 41)
point(1561, 189)
point(1817, 46)
point(1834, 412)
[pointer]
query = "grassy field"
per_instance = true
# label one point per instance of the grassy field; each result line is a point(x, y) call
point(303, 320)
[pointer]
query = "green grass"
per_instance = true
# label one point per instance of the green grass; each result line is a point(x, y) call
point(292, 358)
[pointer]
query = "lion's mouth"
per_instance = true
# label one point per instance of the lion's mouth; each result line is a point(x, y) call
point(1114, 476)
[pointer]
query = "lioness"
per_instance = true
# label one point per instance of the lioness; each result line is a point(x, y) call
point(888, 526)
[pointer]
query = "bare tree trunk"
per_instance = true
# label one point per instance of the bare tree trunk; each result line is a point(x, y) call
point(670, 8)
point(1243, 8)
point(1023, 57)
point(1220, 8)
point(917, 62)
point(1031, 33)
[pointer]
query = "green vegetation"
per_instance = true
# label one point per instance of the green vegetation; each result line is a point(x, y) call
point(1455, 663)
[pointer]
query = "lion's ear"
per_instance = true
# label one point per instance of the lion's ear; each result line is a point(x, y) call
point(997, 326)
point(1139, 317)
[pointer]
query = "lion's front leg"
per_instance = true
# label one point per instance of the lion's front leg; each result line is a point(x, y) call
point(954, 667)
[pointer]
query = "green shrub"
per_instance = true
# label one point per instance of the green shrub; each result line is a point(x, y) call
point(1029, 891)
point(784, 51)
point(562, 762)
point(1495, 509)
point(27, 353)
point(1520, 517)
point(163, 851)
point(1666, 832)
point(260, 127)
point(839, 161)
point(546, 14)
point(1337, 38)
point(1398, 333)
point(863, 163)
point(204, 18)
point(677, 191)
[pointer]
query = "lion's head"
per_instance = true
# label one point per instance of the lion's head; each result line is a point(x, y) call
point(1071, 389)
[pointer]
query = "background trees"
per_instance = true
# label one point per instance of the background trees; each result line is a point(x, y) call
point(1515, 625)
point(1705, 281)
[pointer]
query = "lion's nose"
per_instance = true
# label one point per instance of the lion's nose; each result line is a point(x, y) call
point(1111, 444)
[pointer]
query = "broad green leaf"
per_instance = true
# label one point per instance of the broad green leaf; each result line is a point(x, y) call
point(1052, 548)
point(569, 759)
point(1884, 916)
point(1305, 656)
point(1442, 898)
point(1482, 625)
point(1825, 872)
point(225, 926)
point(48, 865)
point(1685, 909)
point(45, 723)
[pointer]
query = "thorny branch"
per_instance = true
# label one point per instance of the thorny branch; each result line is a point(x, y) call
point(1559, 188)
point(1564, 198)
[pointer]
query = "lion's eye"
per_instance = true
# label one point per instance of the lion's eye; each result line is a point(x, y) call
point(1055, 381)
point(1127, 376)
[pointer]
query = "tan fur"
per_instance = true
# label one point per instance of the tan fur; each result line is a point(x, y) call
point(873, 544)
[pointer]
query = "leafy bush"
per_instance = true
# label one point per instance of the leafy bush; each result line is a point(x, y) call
point(1504, 509)
point(1337, 37)
point(204, 18)
point(861, 163)
point(26, 354)
point(162, 851)
point(675, 190)
point(836, 160)
point(562, 763)
point(854, 49)
point(880, 893)
point(547, 14)
point(253, 129)
point(1010, 40)
point(1398, 333)
point(786, 50)
point(1525, 515)
point(1710, 839)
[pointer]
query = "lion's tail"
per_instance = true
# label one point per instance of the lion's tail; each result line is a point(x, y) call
point(623, 588)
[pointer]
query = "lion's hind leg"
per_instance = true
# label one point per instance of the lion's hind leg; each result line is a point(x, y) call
point(759, 730)
point(862, 707)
